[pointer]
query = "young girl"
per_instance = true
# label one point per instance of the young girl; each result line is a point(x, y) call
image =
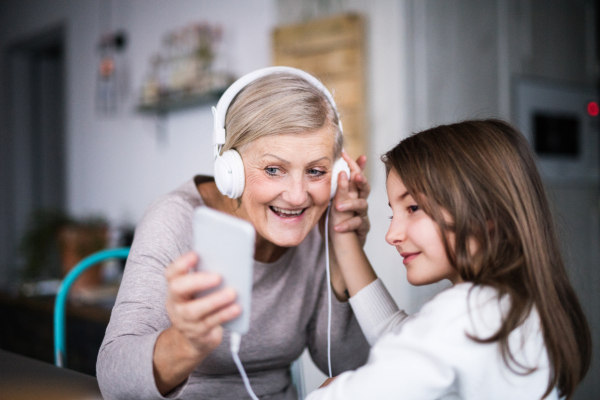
point(467, 205)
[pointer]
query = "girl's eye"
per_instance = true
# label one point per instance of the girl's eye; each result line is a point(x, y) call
point(412, 209)
point(272, 171)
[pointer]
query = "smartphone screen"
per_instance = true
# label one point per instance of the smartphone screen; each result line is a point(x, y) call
point(225, 245)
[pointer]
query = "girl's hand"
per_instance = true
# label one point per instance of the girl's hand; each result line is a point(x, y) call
point(348, 214)
point(346, 193)
point(336, 217)
point(359, 190)
point(198, 319)
point(350, 268)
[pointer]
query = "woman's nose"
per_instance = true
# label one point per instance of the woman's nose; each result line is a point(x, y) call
point(396, 233)
point(296, 193)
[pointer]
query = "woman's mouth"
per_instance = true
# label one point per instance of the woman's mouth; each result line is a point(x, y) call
point(287, 213)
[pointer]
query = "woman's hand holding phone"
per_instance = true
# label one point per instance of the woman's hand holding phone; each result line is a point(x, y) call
point(196, 321)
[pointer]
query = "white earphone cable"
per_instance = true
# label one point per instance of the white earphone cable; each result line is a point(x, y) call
point(328, 290)
point(236, 338)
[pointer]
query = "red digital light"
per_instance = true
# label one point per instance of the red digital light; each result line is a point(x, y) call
point(593, 108)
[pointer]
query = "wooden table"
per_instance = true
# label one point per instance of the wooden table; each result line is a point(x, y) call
point(24, 378)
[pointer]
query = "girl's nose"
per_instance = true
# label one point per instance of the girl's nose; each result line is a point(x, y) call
point(396, 233)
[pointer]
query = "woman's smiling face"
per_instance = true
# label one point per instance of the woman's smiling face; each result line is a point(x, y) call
point(288, 180)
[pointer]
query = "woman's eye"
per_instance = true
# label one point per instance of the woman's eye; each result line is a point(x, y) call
point(272, 171)
point(315, 172)
point(412, 209)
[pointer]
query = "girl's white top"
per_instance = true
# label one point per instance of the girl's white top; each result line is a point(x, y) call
point(429, 355)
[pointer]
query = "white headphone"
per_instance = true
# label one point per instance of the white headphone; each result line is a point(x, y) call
point(229, 168)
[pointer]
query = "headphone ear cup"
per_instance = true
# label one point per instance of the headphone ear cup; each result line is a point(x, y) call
point(229, 174)
point(339, 166)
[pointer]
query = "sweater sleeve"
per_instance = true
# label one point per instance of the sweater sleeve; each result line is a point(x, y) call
point(376, 311)
point(125, 360)
point(349, 348)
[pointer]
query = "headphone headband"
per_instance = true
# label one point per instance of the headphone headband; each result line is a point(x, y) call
point(220, 112)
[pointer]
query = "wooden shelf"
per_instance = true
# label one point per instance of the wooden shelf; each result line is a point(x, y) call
point(181, 102)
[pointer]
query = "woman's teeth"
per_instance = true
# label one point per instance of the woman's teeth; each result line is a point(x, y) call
point(286, 213)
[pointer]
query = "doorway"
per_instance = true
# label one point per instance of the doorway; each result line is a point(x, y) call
point(33, 139)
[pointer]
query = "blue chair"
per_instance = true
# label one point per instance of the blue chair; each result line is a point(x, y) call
point(60, 305)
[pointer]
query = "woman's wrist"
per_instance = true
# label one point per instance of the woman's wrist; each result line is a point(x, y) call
point(174, 359)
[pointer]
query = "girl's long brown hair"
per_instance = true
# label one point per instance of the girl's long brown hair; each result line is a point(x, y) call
point(484, 174)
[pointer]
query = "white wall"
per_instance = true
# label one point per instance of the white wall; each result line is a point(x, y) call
point(117, 165)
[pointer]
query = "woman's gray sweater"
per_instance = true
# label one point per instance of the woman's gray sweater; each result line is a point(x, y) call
point(289, 313)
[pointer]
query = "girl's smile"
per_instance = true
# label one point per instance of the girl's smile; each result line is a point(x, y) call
point(408, 257)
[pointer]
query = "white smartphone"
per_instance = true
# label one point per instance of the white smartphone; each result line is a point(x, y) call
point(225, 245)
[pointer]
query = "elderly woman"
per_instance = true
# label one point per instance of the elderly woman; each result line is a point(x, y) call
point(162, 341)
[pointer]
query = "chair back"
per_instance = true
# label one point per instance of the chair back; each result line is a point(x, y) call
point(60, 304)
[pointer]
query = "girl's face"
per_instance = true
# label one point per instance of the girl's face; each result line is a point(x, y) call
point(416, 237)
point(288, 181)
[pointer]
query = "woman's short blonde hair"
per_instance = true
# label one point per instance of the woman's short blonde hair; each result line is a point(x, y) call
point(279, 103)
